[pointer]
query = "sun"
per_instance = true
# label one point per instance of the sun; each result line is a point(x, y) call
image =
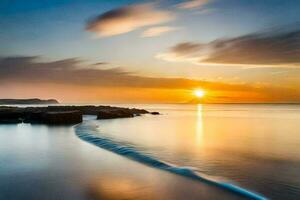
point(199, 93)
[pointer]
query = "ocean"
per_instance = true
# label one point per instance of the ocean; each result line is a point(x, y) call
point(212, 151)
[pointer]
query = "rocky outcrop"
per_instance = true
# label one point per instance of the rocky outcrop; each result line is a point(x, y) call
point(9, 116)
point(35, 117)
point(154, 113)
point(27, 101)
point(53, 118)
point(114, 114)
point(62, 118)
point(60, 115)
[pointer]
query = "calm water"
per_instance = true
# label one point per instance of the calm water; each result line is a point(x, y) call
point(256, 147)
point(50, 163)
point(253, 146)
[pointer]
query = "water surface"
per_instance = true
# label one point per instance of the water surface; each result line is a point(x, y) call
point(50, 163)
point(256, 147)
point(253, 146)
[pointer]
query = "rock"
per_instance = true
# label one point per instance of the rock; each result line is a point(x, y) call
point(10, 121)
point(138, 111)
point(10, 116)
point(63, 114)
point(62, 118)
point(114, 114)
point(53, 118)
point(154, 113)
point(35, 117)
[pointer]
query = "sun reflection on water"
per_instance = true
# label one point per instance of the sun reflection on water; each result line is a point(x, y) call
point(199, 125)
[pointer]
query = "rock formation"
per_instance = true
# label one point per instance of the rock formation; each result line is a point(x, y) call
point(63, 115)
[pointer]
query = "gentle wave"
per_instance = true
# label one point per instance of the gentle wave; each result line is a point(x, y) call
point(87, 131)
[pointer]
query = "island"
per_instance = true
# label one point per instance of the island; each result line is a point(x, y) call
point(64, 115)
point(27, 101)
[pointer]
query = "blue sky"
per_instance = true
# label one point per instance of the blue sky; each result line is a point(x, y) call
point(57, 30)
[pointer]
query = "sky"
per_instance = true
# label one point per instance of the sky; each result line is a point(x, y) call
point(237, 51)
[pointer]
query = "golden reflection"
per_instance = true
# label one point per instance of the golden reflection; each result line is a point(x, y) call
point(112, 188)
point(199, 125)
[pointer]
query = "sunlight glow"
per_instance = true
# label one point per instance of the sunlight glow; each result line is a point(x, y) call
point(199, 93)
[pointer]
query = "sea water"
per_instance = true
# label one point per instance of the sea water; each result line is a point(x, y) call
point(197, 151)
point(256, 147)
point(52, 162)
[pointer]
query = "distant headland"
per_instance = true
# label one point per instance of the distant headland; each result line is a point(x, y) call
point(27, 101)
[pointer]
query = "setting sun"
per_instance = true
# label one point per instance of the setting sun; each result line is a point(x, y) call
point(199, 93)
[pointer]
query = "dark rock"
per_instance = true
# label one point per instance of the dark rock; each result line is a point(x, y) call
point(114, 114)
point(62, 118)
point(63, 114)
point(10, 116)
point(138, 111)
point(154, 113)
point(10, 121)
point(35, 117)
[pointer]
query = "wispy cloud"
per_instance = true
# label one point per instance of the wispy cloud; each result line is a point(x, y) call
point(72, 72)
point(260, 49)
point(184, 52)
point(192, 4)
point(157, 31)
point(128, 18)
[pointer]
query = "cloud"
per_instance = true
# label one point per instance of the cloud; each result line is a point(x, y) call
point(101, 63)
point(73, 73)
point(186, 48)
point(184, 52)
point(280, 47)
point(192, 4)
point(127, 19)
point(157, 31)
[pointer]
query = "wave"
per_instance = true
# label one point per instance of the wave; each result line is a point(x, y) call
point(87, 131)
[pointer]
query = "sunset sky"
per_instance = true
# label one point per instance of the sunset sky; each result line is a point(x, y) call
point(150, 51)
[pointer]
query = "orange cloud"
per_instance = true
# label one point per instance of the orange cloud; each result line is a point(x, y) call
point(127, 19)
point(158, 30)
point(70, 80)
